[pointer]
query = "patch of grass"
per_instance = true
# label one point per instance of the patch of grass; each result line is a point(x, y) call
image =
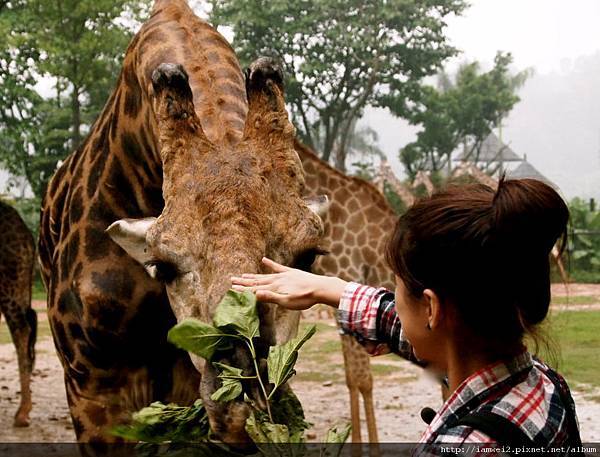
point(38, 292)
point(576, 336)
point(321, 327)
point(384, 370)
point(320, 348)
point(333, 373)
point(43, 331)
point(330, 346)
point(576, 300)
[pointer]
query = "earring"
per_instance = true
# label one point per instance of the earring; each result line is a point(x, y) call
point(428, 326)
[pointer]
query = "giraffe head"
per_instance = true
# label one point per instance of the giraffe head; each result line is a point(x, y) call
point(225, 208)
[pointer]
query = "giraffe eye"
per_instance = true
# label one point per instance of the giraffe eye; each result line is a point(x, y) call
point(305, 259)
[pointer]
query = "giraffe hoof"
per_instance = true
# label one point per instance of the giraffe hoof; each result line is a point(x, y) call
point(263, 69)
point(169, 75)
point(21, 421)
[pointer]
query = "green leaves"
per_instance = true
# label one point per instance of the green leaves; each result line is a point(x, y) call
point(198, 337)
point(236, 319)
point(335, 439)
point(159, 423)
point(77, 45)
point(262, 431)
point(236, 316)
point(287, 408)
point(460, 111)
point(231, 387)
point(282, 359)
point(237, 311)
point(338, 433)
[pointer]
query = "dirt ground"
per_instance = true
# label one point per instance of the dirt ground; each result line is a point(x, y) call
point(401, 390)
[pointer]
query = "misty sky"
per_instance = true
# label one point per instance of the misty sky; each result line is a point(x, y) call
point(557, 122)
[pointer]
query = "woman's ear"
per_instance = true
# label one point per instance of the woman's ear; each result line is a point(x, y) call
point(434, 309)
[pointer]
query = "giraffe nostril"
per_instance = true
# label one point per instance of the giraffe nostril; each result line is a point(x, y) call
point(165, 272)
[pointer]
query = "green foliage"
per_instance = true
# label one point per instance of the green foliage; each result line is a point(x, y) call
point(287, 408)
point(463, 111)
point(231, 386)
point(394, 199)
point(342, 56)
point(263, 431)
point(335, 438)
point(282, 359)
point(29, 210)
point(577, 334)
point(198, 338)
point(237, 312)
point(158, 423)
point(584, 242)
point(236, 318)
point(77, 45)
point(338, 434)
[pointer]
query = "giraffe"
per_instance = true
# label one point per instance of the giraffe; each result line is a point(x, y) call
point(356, 226)
point(469, 169)
point(387, 175)
point(188, 177)
point(17, 250)
point(422, 178)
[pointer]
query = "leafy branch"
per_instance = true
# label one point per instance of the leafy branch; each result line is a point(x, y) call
point(235, 321)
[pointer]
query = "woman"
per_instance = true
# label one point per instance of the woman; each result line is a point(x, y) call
point(472, 281)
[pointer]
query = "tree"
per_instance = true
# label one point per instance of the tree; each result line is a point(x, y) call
point(341, 56)
point(463, 111)
point(362, 145)
point(78, 46)
point(584, 243)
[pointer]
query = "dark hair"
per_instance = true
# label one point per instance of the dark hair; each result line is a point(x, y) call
point(484, 251)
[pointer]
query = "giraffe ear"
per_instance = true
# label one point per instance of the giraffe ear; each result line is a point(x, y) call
point(319, 205)
point(130, 234)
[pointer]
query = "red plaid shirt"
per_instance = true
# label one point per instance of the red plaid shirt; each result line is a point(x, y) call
point(519, 389)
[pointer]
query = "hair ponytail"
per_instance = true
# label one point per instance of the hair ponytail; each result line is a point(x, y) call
point(528, 212)
point(529, 218)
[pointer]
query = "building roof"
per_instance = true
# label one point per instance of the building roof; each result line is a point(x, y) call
point(492, 150)
point(526, 170)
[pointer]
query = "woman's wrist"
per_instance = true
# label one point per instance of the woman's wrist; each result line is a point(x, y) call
point(329, 290)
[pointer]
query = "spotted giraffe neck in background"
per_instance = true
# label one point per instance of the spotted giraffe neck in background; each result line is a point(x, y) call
point(104, 310)
point(356, 229)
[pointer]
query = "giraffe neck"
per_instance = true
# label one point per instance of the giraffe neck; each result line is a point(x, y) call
point(356, 226)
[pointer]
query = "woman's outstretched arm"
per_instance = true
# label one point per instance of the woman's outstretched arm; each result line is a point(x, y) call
point(291, 288)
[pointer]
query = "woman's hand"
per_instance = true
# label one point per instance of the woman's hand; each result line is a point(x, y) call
point(291, 288)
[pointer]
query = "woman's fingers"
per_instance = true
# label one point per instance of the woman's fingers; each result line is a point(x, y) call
point(251, 288)
point(274, 265)
point(252, 280)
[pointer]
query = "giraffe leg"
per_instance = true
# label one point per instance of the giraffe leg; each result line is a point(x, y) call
point(371, 423)
point(21, 339)
point(352, 383)
point(355, 418)
point(22, 324)
point(365, 385)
